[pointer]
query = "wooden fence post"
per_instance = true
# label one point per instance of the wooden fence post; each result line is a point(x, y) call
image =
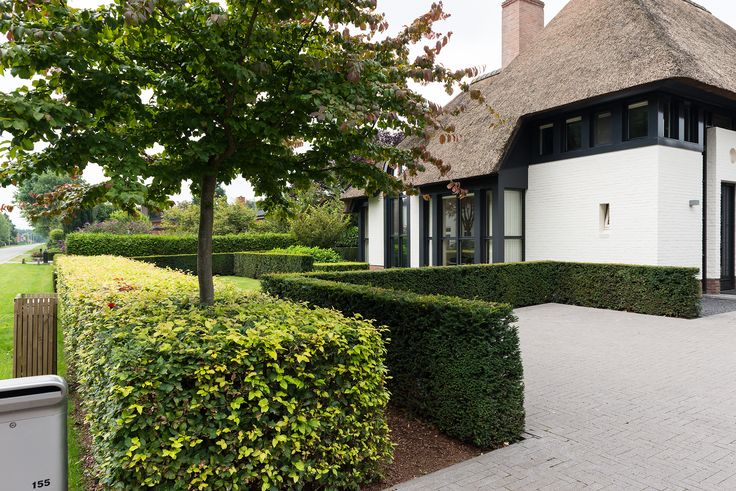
point(34, 335)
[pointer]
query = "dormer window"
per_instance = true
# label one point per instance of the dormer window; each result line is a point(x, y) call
point(574, 133)
point(547, 139)
point(638, 120)
point(603, 132)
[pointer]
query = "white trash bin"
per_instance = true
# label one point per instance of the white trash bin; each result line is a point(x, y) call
point(33, 447)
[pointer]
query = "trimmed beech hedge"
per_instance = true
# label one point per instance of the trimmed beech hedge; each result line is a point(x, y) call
point(344, 266)
point(453, 361)
point(255, 264)
point(222, 263)
point(655, 290)
point(252, 393)
point(82, 244)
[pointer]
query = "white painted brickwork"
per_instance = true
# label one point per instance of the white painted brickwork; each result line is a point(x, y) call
point(720, 169)
point(648, 190)
point(414, 239)
point(375, 231)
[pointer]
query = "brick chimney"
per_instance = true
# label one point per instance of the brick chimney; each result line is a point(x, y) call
point(522, 21)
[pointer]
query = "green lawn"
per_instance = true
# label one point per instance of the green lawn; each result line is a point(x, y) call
point(31, 278)
point(242, 283)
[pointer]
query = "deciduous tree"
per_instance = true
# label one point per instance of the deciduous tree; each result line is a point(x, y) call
point(158, 91)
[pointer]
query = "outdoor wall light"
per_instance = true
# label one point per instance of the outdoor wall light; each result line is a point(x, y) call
point(694, 203)
point(733, 155)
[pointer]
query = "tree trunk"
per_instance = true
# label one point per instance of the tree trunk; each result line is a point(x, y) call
point(204, 244)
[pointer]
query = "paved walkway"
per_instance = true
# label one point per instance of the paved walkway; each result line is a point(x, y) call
point(616, 401)
point(8, 253)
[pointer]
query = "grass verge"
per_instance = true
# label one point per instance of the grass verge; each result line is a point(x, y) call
point(241, 282)
point(31, 278)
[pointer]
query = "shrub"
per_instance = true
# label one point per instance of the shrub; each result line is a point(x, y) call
point(653, 290)
point(222, 263)
point(252, 393)
point(320, 225)
point(455, 362)
point(160, 245)
point(119, 227)
point(56, 235)
point(320, 255)
point(344, 266)
point(255, 264)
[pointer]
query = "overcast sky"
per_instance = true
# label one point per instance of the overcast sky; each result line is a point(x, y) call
point(476, 41)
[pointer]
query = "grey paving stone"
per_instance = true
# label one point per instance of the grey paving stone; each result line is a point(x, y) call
point(616, 401)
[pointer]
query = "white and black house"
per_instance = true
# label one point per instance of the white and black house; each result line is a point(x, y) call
point(616, 145)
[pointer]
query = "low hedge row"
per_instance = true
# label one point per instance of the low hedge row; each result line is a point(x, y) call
point(222, 263)
point(256, 264)
point(453, 361)
point(82, 244)
point(655, 290)
point(252, 393)
point(343, 266)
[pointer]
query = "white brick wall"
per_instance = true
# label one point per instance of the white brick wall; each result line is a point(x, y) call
point(414, 240)
point(375, 231)
point(648, 226)
point(720, 169)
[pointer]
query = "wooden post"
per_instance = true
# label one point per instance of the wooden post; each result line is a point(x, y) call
point(34, 333)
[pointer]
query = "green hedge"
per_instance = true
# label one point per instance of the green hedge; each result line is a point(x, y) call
point(253, 393)
point(667, 291)
point(453, 361)
point(255, 264)
point(344, 266)
point(82, 244)
point(222, 263)
point(320, 255)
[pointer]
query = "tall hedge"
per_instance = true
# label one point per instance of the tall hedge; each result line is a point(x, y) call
point(256, 264)
point(252, 393)
point(456, 362)
point(655, 290)
point(82, 244)
point(222, 263)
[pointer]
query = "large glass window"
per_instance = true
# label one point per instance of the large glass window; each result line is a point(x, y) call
point(398, 237)
point(488, 238)
point(638, 120)
point(513, 225)
point(458, 228)
point(603, 128)
point(574, 134)
point(547, 139)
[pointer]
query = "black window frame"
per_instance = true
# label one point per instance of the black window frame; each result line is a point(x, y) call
point(458, 237)
point(392, 239)
point(646, 105)
point(594, 127)
point(541, 150)
point(521, 237)
point(576, 120)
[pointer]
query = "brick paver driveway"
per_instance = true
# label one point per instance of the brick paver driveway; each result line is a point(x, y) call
point(616, 401)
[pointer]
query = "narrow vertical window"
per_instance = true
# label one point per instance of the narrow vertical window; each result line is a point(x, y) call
point(467, 228)
point(449, 230)
point(488, 238)
point(364, 233)
point(603, 129)
point(605, 216)
point(398, 237)
point(547, 139)
point(574, 134)
point(429, 233)
point(513, 225)
point(690, 114)
point(670, 122)
point(638, 120)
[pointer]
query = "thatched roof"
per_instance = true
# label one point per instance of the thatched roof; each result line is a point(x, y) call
point(590, 49)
